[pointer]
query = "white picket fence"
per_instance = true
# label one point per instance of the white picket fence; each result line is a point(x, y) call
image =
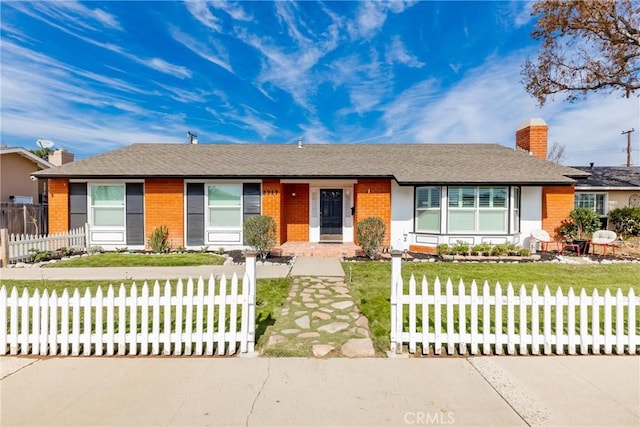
point(16, 247)
point(201, 318)
point(511, 323)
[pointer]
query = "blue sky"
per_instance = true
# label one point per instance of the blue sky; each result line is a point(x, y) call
point(96, 76)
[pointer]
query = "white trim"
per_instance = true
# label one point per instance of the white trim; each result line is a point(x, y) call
point(104, 181)
point(336, 183)
point(596, 189)
point(44, 164)
point(314, 205)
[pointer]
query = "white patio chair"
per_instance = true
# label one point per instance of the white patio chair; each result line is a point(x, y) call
point(604, 238)
point(544, 238)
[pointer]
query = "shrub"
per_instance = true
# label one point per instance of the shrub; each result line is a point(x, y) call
point(460, 247)
point(260, 234)
point(159, 240)
point(482, 248)
point(524, 252)
point(626, 221)
point(580, 224)
point(500, 249)
point(370, 233)
point(443, 249)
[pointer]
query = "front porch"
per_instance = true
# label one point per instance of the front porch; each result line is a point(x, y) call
point(314, 249)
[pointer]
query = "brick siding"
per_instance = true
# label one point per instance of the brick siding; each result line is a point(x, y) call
point(164, 205)
point(272, 205)
point(58, 205)
point(557, 202)
point(533, 139)
point(296, 212)
point(373, 198)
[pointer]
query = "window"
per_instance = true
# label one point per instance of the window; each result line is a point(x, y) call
point(107, 205)
point(516, 209)
point(593, 201)
point(428, 209)
point(225, 205)
point(478, 209)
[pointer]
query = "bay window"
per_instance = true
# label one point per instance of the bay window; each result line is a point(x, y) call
point(225, 205)
point(108, 205)
point(428, 209)
point(478, 209)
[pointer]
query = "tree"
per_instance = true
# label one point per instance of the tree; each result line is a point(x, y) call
point(587, 46)
point(43, 152)
point(556, 152)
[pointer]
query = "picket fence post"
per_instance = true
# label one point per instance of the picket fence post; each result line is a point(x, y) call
point(4, 247)
point(396, 275)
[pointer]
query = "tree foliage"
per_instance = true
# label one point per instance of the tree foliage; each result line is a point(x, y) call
point(587, 46)
point(370, 234)
point(43, 152)
point(260, 233)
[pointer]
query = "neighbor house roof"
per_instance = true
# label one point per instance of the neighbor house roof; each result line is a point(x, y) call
point(610, 178)
point(407, 163)
point(42, 164)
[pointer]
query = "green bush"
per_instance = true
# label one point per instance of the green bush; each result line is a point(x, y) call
point(580, 224)
point(461, 248)
point(501, 249)
point(159, 240)
point(260, 234)
point(482, 248)
point(370, 233)
point(626, 221)
point(443, 249)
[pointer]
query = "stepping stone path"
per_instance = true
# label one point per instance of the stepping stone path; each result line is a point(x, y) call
point(319, 319)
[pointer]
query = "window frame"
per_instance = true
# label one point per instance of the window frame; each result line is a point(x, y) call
point(231, 206)
point(594, 207)
point(430, 208)
point(463, 201)
point(92, 206)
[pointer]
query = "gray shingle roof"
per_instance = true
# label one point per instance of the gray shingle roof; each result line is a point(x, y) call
point(611, 176)
point(407, 163)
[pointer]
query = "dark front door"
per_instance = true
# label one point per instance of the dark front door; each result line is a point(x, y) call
point(331, 214)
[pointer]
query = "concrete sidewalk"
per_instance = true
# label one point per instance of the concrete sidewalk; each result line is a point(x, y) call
point(138, 273)
point(311, 266)
point(486, 391)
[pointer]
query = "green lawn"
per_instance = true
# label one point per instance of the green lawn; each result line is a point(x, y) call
point(114, 259)
point(370, 282)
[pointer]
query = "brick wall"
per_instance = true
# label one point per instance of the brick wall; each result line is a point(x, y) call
point(557, 202)
point(58, 205)
point(533, 138)
point(373, 198)
point(272, 205)
point(164, 205)
point(295, 212)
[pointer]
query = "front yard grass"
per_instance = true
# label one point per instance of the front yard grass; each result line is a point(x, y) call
point(115, 259)
point(371, 281)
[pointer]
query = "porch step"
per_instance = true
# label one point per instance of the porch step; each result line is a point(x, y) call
point(324, 250)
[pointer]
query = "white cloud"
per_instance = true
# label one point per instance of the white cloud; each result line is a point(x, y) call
point(199, 9)
point(163, 66)
point(396, 52)
point(233, 9)
point(371, 16)
point(220, 57)
point(489, 104)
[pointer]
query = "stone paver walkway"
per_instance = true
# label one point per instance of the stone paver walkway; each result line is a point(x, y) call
point(319, 319)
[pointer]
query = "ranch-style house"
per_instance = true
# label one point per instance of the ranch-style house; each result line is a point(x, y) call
point(426, 193)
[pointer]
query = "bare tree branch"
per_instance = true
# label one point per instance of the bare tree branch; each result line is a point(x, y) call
point(587, 46)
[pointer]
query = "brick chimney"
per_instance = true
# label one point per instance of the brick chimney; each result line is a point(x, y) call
point(531, 136)
point(60, 157)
